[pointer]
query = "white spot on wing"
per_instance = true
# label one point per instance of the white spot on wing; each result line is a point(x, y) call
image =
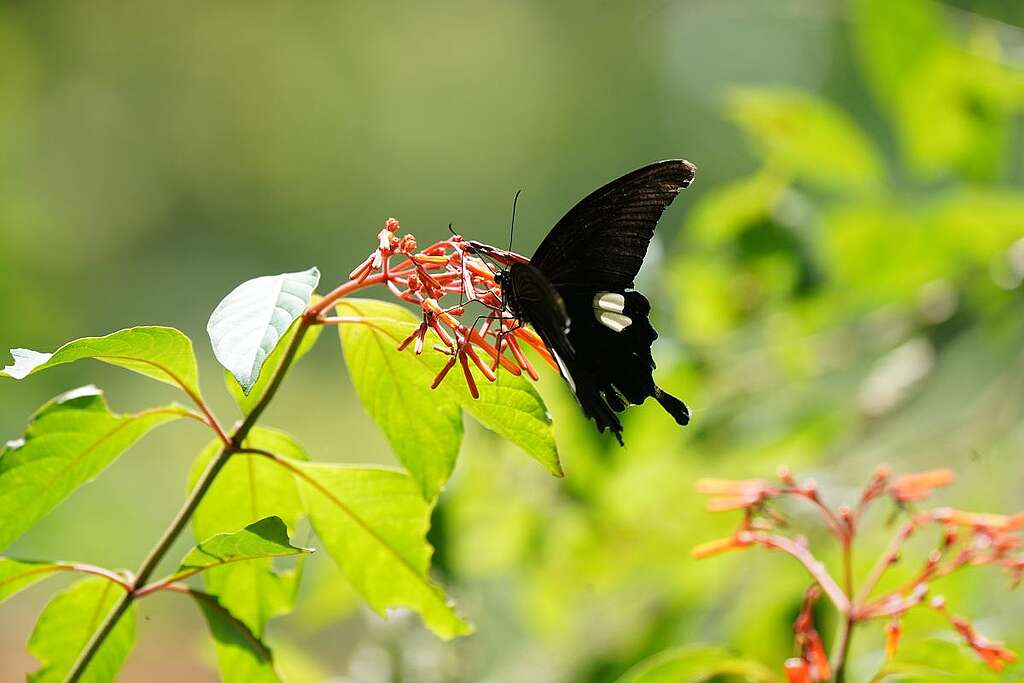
point(612, 302)
point(614, 321)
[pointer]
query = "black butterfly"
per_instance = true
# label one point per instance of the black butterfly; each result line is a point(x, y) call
point(577, 293)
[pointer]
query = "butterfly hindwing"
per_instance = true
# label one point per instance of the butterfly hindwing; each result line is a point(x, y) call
point(534, 300)
point(601, 242)
point(612, 335)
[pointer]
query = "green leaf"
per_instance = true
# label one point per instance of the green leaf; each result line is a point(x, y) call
point(17, 575)
point(248, 489)
point(241, 656)
point(730, 208)
point(894, 39)
point(696, 663)
point(69, 441)
point(374, 522)
point(932, 660)
point(511, 407)
point(162, 353)
point(69, 621)
point(807, 137)
point(267, 538)
point(248, 323)
point(951, 104)
point(423, 427)
point(247, 401)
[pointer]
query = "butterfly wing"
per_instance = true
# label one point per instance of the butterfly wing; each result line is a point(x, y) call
point(533, 299)
point(602, 241)
point(611, 334)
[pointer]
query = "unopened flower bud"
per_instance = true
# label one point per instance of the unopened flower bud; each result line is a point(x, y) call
point(797, 670)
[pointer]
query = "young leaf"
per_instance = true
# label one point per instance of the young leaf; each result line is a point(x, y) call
point(68, 622)
point(697, 663)
point(162, 353)
point(241, 655)
point(423, 427)
point(247, 324)
point(248, 489)
point(808, 137)
point(373, 522)
point(68, 443)
point(17, 575)
point(247, 401)
point(267, 538)
point(511, 407)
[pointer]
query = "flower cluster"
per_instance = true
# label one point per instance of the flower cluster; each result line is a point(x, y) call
point(430, 278)
point(965, 539)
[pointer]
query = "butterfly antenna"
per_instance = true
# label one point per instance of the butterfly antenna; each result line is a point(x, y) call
point(512, 227)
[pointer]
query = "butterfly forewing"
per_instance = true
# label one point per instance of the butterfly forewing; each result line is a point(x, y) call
point(602, 241)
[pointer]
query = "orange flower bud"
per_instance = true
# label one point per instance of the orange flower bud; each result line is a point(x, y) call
point(920, 485)
point(720, 546)
point(731, 487)
point(797, 670)
point(978, 520)
point(732, 503)
point(893, 631)
point(814, 652)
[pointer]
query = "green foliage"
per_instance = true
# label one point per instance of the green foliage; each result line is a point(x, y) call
point(265, 539)
point(807, 138)
point(391, 388)
point(249, 489)
point(241, 656)
point(373, 521)
point(17, 575)
point(69, 441)
point(952, 104)
point(249, 322)
point(248, 400)
point(695, 664)
point(69, 621)
point(162, 353)
point(423, 427)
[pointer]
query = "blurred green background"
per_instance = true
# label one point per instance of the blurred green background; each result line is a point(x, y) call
point(839, 288)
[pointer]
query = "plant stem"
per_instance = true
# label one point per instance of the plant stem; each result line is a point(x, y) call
point(842, 647)
point(849, 617)
point(191, 503)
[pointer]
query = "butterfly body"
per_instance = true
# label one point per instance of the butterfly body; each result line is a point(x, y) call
point(577, 293)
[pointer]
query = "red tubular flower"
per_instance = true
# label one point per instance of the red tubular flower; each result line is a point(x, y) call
point(443, 270)
point(995, 655)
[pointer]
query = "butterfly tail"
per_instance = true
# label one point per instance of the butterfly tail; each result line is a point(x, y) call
point(673, 406)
